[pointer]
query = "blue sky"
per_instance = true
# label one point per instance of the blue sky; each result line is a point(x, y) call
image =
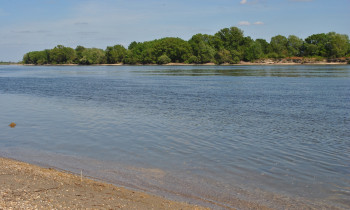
point(29, 25)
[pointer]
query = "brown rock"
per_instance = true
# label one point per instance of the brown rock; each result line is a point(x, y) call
point(12, 125)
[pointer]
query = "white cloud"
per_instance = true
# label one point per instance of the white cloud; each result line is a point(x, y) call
point(254, 2)
point(244, 23)
point(259, 23)
point(247, 23)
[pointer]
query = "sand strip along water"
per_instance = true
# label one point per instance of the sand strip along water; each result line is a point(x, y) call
point(26, 186)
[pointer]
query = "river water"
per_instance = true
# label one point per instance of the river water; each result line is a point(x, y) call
point(211, 135)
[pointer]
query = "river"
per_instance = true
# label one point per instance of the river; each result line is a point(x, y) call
point(212, 135)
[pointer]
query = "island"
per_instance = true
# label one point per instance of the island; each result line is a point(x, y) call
point(227, 46)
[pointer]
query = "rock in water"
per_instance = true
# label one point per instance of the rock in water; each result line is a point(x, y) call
point(12, 125)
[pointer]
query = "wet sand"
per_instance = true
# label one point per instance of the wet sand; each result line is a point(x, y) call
point(26, 186)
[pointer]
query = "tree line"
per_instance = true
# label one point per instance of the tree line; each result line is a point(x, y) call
point(229, 45)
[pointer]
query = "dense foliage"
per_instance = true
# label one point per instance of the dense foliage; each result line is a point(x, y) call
point(229, 45)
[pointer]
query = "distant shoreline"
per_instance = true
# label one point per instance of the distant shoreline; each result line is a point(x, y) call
point(242, 63)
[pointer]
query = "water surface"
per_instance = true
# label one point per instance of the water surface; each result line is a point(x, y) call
point(208, 134)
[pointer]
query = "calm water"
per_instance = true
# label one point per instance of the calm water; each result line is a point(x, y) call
point(210, 135)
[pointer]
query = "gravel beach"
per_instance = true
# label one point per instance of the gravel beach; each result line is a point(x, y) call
point(26, 186)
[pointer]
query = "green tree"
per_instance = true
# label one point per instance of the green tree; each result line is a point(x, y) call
point(193, 59)
point(62, 55)
point(130, 58)
point(164, 59)
point(279, 45)
point(201, 48)
point(229, 45)
point(176, 49)
point(316, 45)
point(265, 46)
point(140, 52)
point(294, 45)
point(79, 53)
point(133, 44)
point(231, 38)
point(92, 56)
point(36, 57)
point(148, 56)
point(115, 54)
point(26, 59)
point(236, 56)
point(338, 45)
point(206, 53)
point(223, 56)
point(254, 51)
point(246, 45)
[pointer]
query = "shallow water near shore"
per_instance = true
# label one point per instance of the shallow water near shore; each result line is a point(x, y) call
point(205, 134)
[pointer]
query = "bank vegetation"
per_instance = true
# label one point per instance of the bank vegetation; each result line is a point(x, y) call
point(227, 46)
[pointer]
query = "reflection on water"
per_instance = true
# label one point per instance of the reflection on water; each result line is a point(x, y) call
point(258, 71)
point(244, 132)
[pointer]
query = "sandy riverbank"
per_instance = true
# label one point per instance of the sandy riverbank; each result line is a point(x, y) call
point(242, 63)
point(296, 61)
point(26, 186)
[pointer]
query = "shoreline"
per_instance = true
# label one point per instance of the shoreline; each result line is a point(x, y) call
point(242, 63)
point(27, 186)
point(207, 64)
point(30, 186)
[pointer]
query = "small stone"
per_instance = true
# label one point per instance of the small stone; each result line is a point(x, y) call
point(12, 125)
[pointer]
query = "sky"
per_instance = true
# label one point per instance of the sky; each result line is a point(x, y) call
point(31, 25)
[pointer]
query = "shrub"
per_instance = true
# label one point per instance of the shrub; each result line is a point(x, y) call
point(164, 59)
point(318, 58)
point(272, 55)
point(193, 59)
point(235, 60)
